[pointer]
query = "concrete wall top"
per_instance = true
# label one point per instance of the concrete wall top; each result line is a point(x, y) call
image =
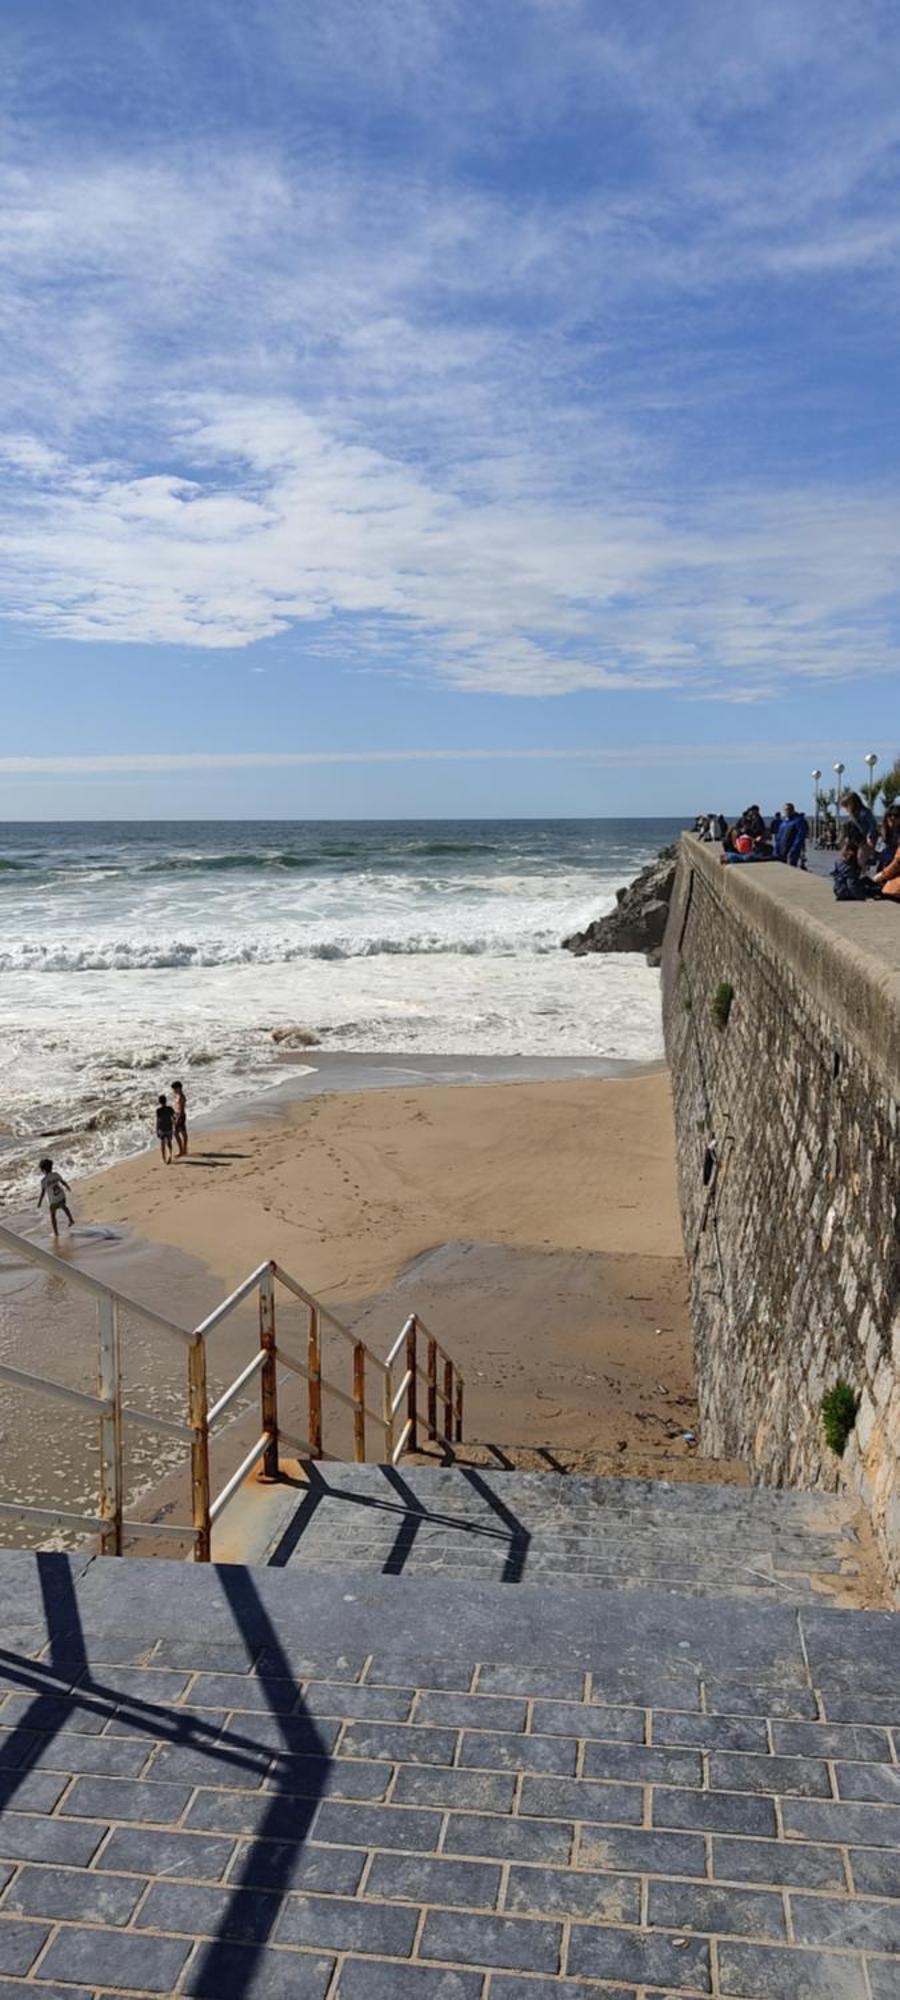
point(847, 954)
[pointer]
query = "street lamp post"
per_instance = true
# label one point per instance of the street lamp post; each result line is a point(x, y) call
point(870, 760)
point(838, 770)
point(816, 778)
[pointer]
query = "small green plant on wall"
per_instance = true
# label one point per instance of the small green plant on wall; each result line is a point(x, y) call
point(839, 1408)
point(721, 1004)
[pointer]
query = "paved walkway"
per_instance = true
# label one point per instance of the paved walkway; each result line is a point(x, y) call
point(234, 1783)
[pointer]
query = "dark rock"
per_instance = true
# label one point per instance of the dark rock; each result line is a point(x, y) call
point(638, 922)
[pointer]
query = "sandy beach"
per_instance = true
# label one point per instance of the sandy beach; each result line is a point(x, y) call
point(533, 1224)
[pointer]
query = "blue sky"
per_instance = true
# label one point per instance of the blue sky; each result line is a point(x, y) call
point(415, 407)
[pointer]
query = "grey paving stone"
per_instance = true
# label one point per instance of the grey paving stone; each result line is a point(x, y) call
point(509, 1839)
point(846, 1921)
point(508, 1987)
point(339, 1666)
point(295, 1735)
point(733, 1697)
point(335, 1923)
point(403, 1744)
point(574, 1892)
point(103, 1756)
point(201, 1911)
point(10, 1989)
point(280, 1807)
point(130, 1961)
point(875, 1871)
point(87, 1895)
point(882, 1978)
point(563, 1683)
point(604, 1953)
point(485, 1748)
point(855, 1825)
point(31, 1791)
point(799, 1777)
point(842, 1704)
point(266, 1864)
point(770, 1972)
point(51, 1712)
point(639, 1689)
point(183, 1763)
point(20, 1943)
point(472, 1885)
point(711, 1732)
point(369, 1704)
point(396, 1827)
point(576, 1798)
point(869, 1781)
point(30, 1837)
point(639, 1766)
point(244, 1692)
point(831, 1739)
point(468, 1791)
point(862, 1650)
point(117, 1799)
point(414, 1671)
point(190, 1657)
point(779, 1862)
point(367, 1979)
point(714, 1812)
point(590, 1719)
point(191, 1856)
point(641, 1853)
point(154, 1686)
point(471, 1711)
point(340, 1778)
point(520, 1945)
point(691, 1906)
point(221, 1969)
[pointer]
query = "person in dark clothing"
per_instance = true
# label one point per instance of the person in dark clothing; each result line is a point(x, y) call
point(165, 1126)
point(861, 820)
point(850, 884)
point(790, 840)
point(180, 1109)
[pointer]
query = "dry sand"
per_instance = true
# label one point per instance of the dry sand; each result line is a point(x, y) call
point(534, 1225)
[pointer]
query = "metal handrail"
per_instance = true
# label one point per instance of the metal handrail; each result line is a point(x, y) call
point(266, 1362)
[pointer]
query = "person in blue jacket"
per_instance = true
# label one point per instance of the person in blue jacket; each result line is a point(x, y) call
point(790, 840)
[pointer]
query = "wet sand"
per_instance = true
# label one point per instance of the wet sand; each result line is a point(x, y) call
point(534, 1225)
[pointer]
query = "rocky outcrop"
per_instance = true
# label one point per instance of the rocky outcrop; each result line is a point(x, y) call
point(638, 922)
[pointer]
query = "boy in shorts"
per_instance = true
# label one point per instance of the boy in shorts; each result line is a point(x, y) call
point(56, 1190)
point(181, 1131)
point(165, 1126)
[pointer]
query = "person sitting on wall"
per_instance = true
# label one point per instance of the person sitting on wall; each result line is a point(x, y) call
point(886, 881)
point(850, 882)
point(790, 840)
point(861, 821)
point(889, 838)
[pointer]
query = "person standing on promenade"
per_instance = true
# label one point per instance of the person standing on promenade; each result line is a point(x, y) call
point(56, 1190)
point(181, 1130)
point(165, 1125)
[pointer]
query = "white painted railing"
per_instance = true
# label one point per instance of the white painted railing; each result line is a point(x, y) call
point(444, 1390)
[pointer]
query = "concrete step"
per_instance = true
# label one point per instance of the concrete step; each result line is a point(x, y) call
point(564, 1530)
point(365, 1787)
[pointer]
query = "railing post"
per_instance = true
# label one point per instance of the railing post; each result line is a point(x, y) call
point(458, 1433)
point(412, 1443)
point(432, 1388)
point(268, 1374)
point(448, 1401)
point(359, 1401)
point(388, 1416)
point(314, 1385)
point(197, 1418)
point(109, 1386)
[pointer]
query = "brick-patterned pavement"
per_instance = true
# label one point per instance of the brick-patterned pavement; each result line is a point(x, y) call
point(378, 1826)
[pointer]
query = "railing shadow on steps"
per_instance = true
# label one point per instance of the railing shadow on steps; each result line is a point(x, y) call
point(441, 1421)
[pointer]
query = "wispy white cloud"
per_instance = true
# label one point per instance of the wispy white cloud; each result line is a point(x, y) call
point(634, 756)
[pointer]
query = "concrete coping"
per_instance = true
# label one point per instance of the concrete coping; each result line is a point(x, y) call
point(847, 955)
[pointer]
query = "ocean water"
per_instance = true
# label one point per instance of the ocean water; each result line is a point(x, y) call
point(132, 953)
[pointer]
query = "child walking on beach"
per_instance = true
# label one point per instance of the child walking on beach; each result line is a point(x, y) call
point(56, 1190)
point(181, 1131)
point(165, 1126)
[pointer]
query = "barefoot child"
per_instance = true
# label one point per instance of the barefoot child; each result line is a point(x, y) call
point(181, 1131)
point(165, 1125)
point(56, 1190)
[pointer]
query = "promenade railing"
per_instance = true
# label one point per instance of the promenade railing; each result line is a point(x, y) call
point(400, 1419)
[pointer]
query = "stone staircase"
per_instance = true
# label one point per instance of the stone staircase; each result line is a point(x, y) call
point(560, 1529)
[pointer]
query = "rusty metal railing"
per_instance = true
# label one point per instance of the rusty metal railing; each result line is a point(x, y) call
point(444, 1388)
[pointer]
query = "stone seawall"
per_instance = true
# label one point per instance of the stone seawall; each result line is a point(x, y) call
point(782, 1023)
